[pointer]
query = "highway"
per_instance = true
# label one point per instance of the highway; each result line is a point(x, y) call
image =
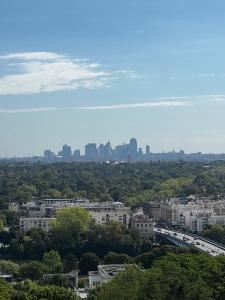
point(202, 244)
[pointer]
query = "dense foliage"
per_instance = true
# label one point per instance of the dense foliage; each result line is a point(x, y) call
point(125, 182)
point(172, 277)
point(99, 239)
point(215, 233)
point(29, 290)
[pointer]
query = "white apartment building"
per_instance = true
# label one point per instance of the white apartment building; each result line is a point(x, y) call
point(26, 224)
point(193, 215)
point(38, 212)
point(104, 274)
point(101, 212)
point(216, 220)
point(107, 212)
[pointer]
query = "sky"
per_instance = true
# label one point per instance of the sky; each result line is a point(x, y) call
point(79, 71)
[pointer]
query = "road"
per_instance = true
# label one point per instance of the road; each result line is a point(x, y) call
point(208, 247)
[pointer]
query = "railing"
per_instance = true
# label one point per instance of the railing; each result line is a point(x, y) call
point(195, 236)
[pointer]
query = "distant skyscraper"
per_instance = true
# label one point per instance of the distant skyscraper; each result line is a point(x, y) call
point(49, 155)
point(76, 155)
point(140, 154)
point(133, 149)
point(66, 153)
point(91, 152)
point(147, 150)
point(105, 152)
point(108, 151)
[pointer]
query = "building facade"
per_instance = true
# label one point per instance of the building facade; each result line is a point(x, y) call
point(143, 225)
point(104, 274)
point(26, 224)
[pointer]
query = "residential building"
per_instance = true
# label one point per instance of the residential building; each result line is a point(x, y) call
point(104, 274)
point(143, 225)
point(101, 212)
point(192, 214)
point(153, 210)
point(26, 224)
point(107, 212)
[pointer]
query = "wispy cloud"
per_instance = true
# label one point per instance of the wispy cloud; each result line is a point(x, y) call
point(28, 110)
point(160, 102)
point(138, 105)
point(36, 72)
point(207, 75)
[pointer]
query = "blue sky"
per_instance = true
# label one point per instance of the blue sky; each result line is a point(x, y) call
point(78, 71)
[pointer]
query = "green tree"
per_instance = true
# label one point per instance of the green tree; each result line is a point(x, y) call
point(32, 270)
point(117, 258)
point(1, 225)
point(124, 286)
point(215, 233)
point(6, 290)
point(9, 267)
point(70, 224)
point(52, 262)
point(29, 290)
point(88, 262)
point(70, 263)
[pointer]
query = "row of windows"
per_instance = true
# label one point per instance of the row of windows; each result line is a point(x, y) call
point(144, 225)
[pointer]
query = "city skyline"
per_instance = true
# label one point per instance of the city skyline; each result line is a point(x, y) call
point(86, 70)
point(106, 152)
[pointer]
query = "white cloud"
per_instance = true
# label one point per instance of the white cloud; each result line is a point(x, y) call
point(36, 72)
point(128, 73)
point(163, 102)
point(33, 56)
point(28, 110)
point(138, 105)
point(207, 75)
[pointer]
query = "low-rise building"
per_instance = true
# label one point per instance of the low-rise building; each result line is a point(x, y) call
point(107, 212)
point(216, 220)
point(26, 224)
point(153, 210)
point(143, 225)
point(101, 212)
point(104, 274)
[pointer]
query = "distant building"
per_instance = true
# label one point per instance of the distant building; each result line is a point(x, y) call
point(76, 155)
point(107, 212)
point(26, 224)
point(101, 212)
point(147, 150)
point(216, 220)
point(91, 152)
point(133, 149)
point(49, 156)
point(66, 153)
point(105, 152)
point(140, 154)
point(193, 214)
point(143, 225)
point(104, 274)
point(153, 210)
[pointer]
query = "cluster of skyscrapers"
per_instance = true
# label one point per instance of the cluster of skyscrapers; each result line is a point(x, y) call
point(125, 152)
